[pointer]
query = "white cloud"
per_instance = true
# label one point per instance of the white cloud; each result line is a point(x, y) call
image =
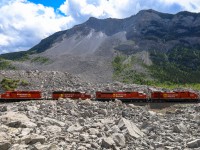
point(189, 5)
point(124, 8)
point(24, 24)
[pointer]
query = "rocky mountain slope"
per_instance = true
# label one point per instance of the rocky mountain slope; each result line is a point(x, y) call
point(148, 38)
point(48, 81)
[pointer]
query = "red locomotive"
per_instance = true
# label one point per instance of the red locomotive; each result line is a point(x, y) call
point(23, 95)
point(123, 96)
point(174, 96)
point(73, 95)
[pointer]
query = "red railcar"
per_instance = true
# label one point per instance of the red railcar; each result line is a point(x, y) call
point(72, 95)
point(124, 96)
point(21, 95)
point(174, 96)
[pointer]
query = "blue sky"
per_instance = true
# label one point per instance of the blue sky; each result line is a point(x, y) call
point(51, 3)
point(24, 23)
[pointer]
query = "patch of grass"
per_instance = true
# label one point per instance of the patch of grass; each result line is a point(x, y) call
point(24, 83)
point(23, 58)
point(6, 65)
point(40, 60)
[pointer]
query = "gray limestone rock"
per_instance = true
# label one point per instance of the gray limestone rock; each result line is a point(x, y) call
point(131, 128)
point(54, 122)
point(54, 129)
point(32, 139)
point(194, 144)
point(4, 145)
point(3, 108)
point(93, 131)
point(107, 142)
point(75, 128)
point(119, 139)
point(37, 138)
point(180, 128)
point(94, 145)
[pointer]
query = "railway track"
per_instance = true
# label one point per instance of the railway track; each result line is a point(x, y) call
point(126, 101)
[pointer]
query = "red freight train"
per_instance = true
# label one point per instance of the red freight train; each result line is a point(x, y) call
point(182, 96)
point(23, 95)
point(174, 96)
point(123, 96)
point(73, 95)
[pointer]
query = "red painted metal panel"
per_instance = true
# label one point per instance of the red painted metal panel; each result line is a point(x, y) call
point(72, 95)
point(21, 95)
point(120, 95)
point(174, 95)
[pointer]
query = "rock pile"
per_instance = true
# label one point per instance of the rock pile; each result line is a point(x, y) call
point(45, 81)
point(48, 81)
point(81, 125)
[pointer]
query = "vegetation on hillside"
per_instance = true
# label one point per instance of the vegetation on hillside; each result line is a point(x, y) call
point(6, 65)
point(178, 66)
point(124, 72)
point(40, 60)
point(9, 84)
point(16, 56)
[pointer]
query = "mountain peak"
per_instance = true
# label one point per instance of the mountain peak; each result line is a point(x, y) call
point(148, 11)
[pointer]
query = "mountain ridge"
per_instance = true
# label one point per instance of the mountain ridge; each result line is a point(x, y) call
point(89, 49)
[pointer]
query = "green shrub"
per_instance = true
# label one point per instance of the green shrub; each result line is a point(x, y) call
point(9, 84)
point(6, 65)
point(41, 60)
point(24, 83)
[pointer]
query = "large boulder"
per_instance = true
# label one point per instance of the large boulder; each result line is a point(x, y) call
point(119, 139)
point(16, 120)
point(130, 128)
point(32, 139)
point(4, 145)
point(107, 142)
point(180, 128)
point(194, 144)
point(54, 122)
point(75, 128)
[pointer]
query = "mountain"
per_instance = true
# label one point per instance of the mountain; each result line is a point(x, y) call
point(145, 47)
